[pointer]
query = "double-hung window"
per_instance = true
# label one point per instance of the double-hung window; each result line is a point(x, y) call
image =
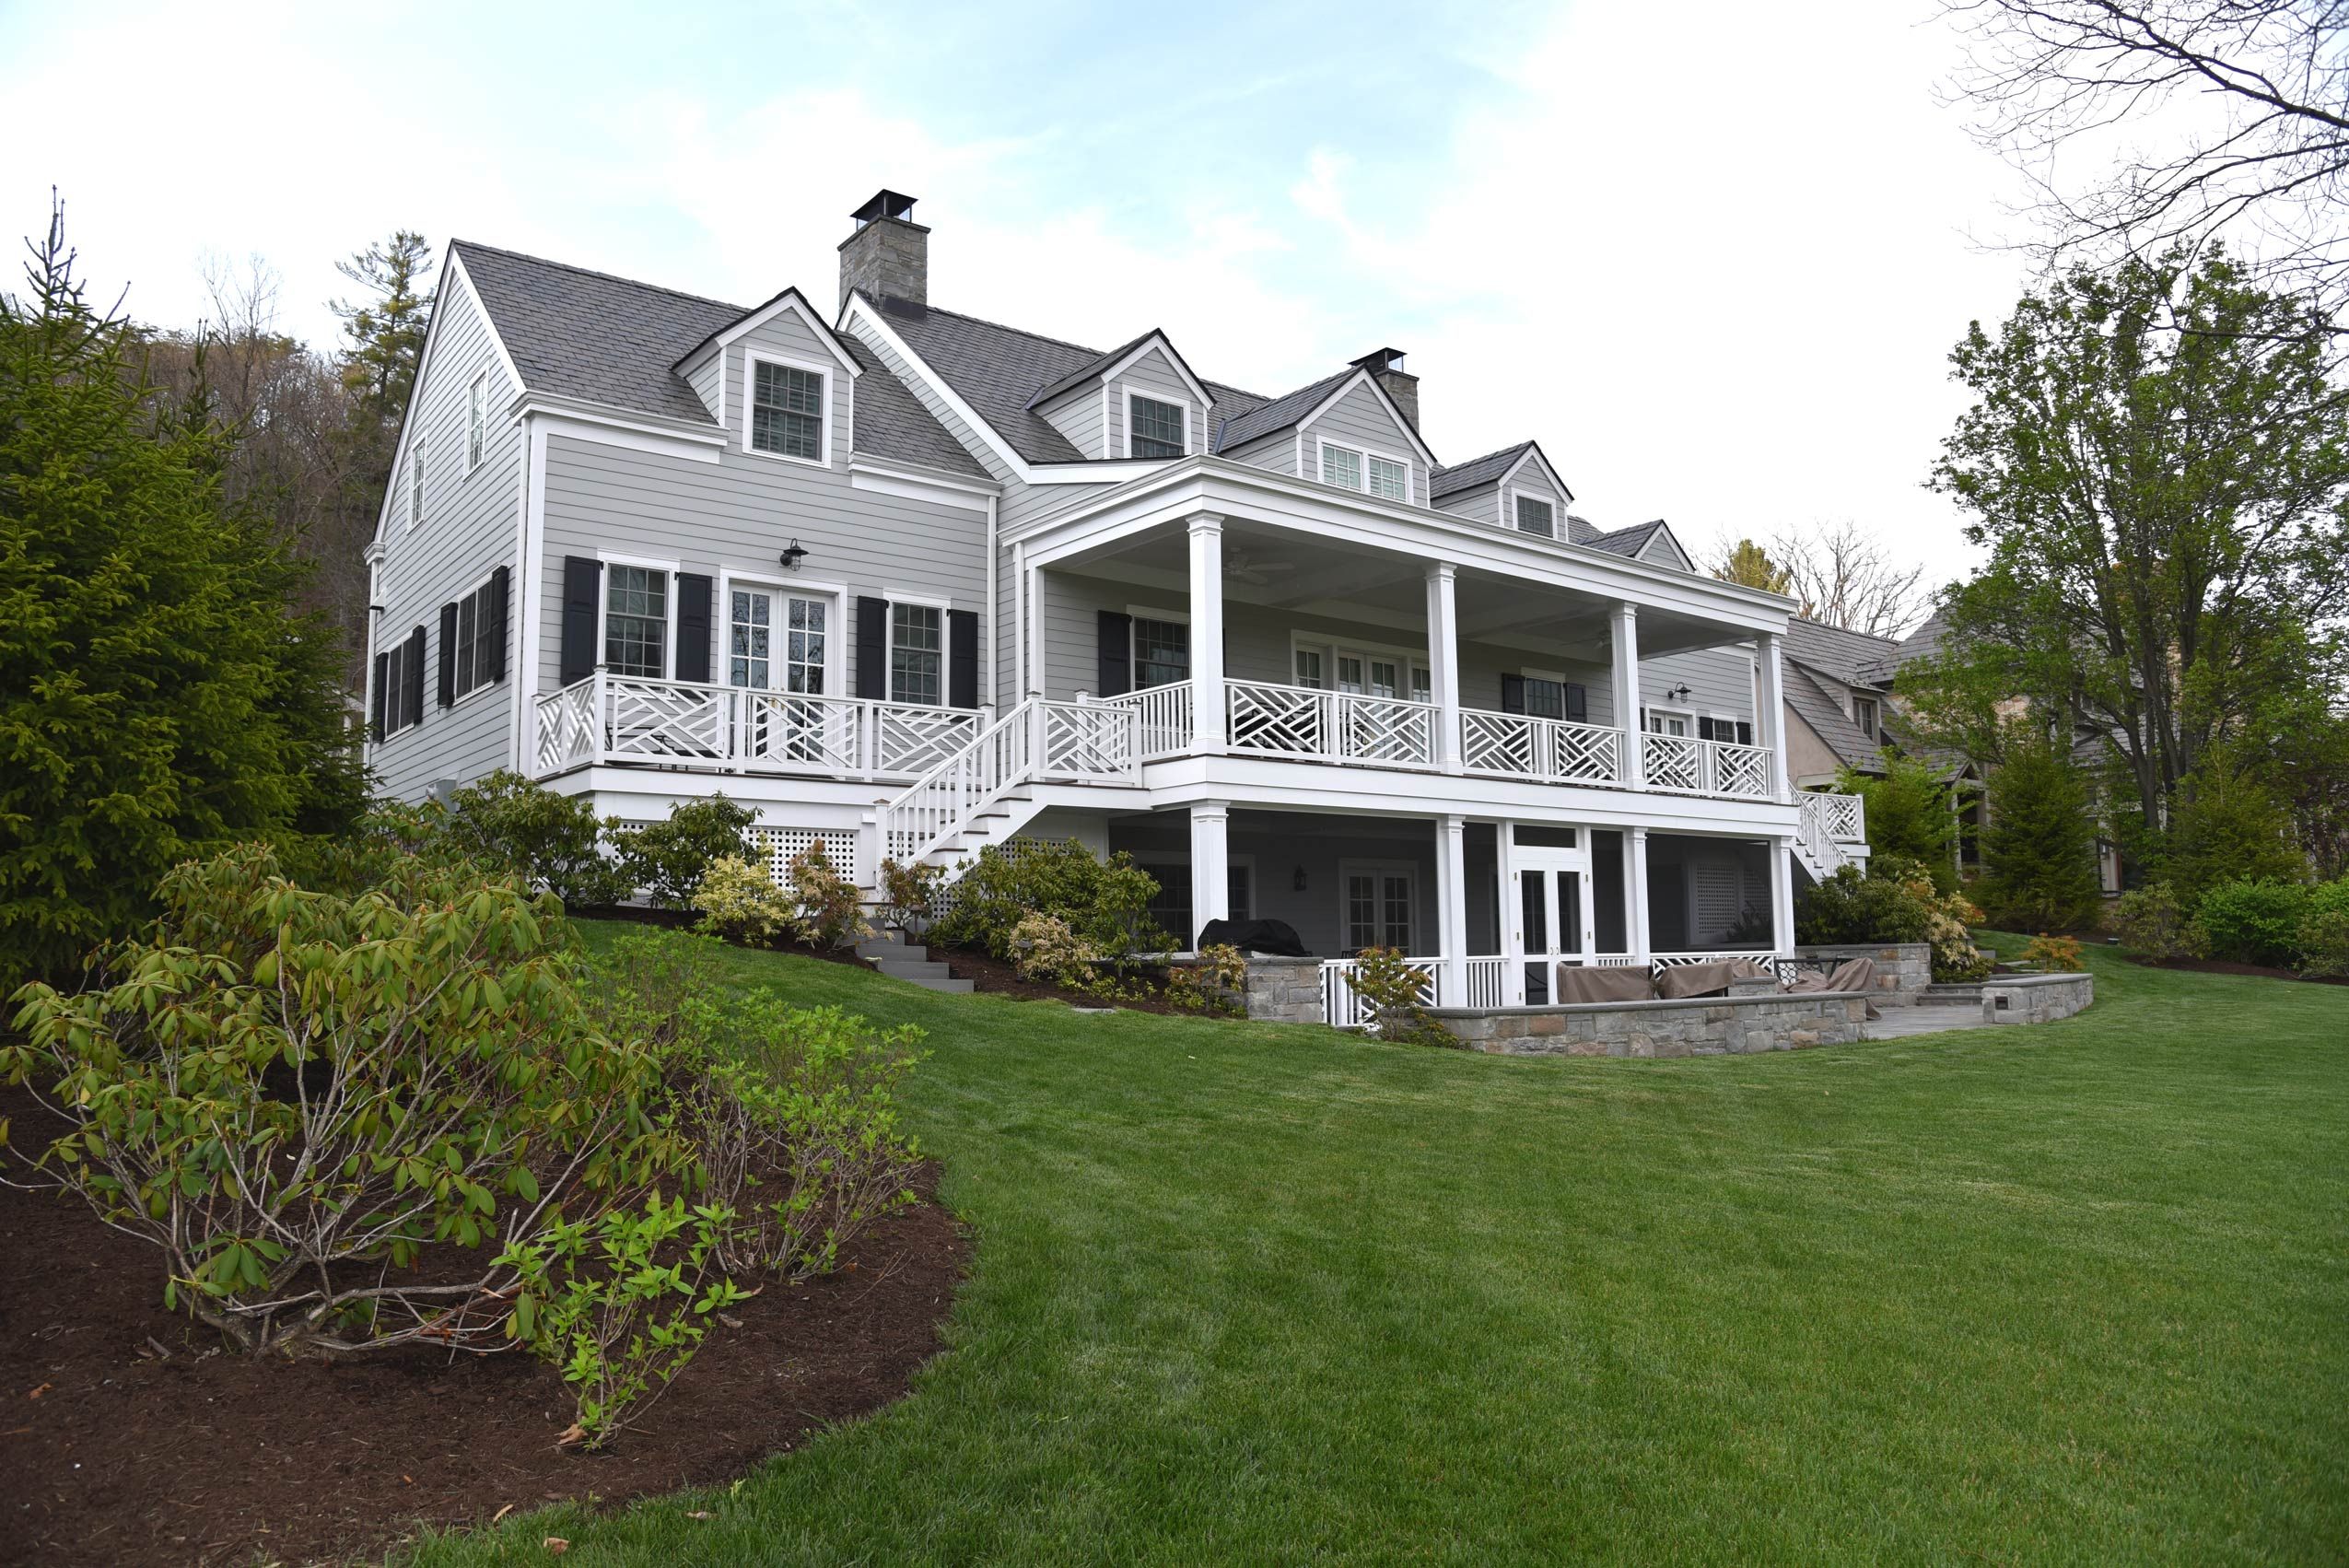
point(1157, 428)
point(1389, 479)
point(1350, 469)
point(787, 410)
point(415, 486)
point(1341, 466)
point(1162, 652)
point(635, 621)
point(917, 654)
point(477, 422)
point(1536, 516)
point(476, 640)
point(1863, 713)
point(395, 691)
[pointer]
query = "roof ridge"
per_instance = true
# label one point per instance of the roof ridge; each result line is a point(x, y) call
point(593, 271)
point(1471, 461)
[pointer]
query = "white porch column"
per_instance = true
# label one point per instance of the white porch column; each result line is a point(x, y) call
point(1635, 892)
point(1035, 596)
point(1207, 636)
point(1781, 895)
point(1513, 916)
point(1443, 661)
point(1210, 867)
point(1770, 727)
point(1452, 909)
point(1624, 647)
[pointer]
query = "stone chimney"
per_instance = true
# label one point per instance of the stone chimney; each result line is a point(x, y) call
point(1386, 365)
point(888, 255)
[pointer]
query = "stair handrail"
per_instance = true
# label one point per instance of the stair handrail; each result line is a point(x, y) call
point(999, 758)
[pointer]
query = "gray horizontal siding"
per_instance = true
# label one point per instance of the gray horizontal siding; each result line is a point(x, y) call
point(1151, 376)
point(1360, 419)
point(1076, 414)
point(1481, 503)
point(1277, 451)
point(469, 526)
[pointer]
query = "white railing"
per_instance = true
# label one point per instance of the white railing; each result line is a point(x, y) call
point(1830, 831)
point(1341, 1004)
point(1164, 718)
point(1522, 745)
point(1084, 742)
point(1684, 764)
point(609, 717)
point(1488, 981)
point(1324, 726)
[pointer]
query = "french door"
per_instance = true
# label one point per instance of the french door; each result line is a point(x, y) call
point(1378, 904)
point(780, 643)
point(1552, 925)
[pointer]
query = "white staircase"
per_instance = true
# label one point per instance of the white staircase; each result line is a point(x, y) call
point(1832, 834)
point(987, 790)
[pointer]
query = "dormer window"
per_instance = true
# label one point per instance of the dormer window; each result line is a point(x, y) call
point(1341, 466)
point(1155, 427)
point(1349, 468)
point(1536, 516)
point(787, 410)
point(1863, 712)
point(1389, 480)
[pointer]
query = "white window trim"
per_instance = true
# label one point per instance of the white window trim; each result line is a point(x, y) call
point(752, 359)
point(417, 472)
point(945, 647)
point(669, 608)
point(1868, 728)
point(1183, 404)
point(1409, 870)
point(1721, 716)
point(464, 697)
point(1655, 707)
point(1560, 679)
point(836, 667)
point(1509, 513)
point(1410, 478)
point(1412, 659)
point(477, 424)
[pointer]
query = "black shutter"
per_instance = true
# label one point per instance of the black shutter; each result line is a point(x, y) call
point(448, 654)
point(962, 657)
point(375, 699)
point(1114, 663)
point(872, 647)
point(692, 626)
point(1704, 729)
point(1512, 693)
point(582, 581)
point(412, 679)
point(502, 588)
point(1578, 703)
point(1745, 733)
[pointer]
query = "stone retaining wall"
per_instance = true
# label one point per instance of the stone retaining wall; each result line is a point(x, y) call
point(2035, 999)
point(1284, 991)
point(1699, 1027)
point(1904, 969)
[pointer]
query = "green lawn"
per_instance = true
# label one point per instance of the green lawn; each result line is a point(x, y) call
point(2070, 1293)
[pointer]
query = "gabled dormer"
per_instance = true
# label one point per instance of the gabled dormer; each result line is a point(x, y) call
point(1137, 400)
point(780, 382)
point(1515, 487)
point(1345, 429)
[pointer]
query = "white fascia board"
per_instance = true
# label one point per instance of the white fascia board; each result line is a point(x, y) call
point(791, 300)
point(1158, 342)
point(919, 483)
point(454, 269)
point(1363, 378)
point(624, 427)
point(1222, 487)
point(1533, 453)
point(1021, 469)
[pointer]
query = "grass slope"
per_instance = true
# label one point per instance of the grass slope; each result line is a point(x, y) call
point(2066, 1294)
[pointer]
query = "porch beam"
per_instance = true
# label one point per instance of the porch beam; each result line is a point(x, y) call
point(1452, 909)
point(1443, 661)
point(1210, 867)
point(1624, 649)
point(1207, 633)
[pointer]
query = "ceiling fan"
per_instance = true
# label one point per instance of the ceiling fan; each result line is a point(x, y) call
point(1240, 564)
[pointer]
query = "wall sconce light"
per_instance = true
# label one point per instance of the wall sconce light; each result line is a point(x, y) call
point(1679, 693)
point(1299, 880)
point(794, 554)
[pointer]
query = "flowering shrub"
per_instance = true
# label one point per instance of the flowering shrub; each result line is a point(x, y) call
point(741, 902)
point(1045, 950)
point(2053, 954)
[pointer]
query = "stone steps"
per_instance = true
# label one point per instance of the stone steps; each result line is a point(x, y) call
point(911, 962)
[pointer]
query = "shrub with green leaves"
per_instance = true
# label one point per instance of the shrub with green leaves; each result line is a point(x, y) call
point(668, 860)
point(1045, 950)
point(2151, 923)
point(1105, 903)
point(740, 902)
point(508, 824)
point(1396, 994)
point(1217, 982)
point(909, 892)
point(826, 908)
point(291, 1093)
point(2254, 921)
point(1851, 907)
point(619, 1303)
point(2324, 943)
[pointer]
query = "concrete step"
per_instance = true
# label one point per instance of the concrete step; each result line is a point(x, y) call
point(911, 969)
point(952, 987)
point(882, 948)
point(1971, 991)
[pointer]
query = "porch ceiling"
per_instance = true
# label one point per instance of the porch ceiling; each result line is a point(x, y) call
point(1278, 569)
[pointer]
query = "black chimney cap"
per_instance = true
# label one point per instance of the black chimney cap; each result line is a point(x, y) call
point(884, 204)
point(1380, 359)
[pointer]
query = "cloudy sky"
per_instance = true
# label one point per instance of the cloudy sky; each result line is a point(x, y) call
point(1713, 255)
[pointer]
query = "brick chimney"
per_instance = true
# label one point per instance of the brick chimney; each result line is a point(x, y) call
point(1386, 367)
point(888, 255)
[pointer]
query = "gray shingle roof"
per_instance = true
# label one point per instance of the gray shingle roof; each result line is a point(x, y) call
point(1926, 641)
point(1581, 530)
point(1087, 371)
point(1625, 541)
point(1476, 470)
point(574, 333)
point(1824, 713)
point(1854, 658)
point(1279, 414)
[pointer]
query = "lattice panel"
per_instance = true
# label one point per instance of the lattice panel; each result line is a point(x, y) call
point(780, 844)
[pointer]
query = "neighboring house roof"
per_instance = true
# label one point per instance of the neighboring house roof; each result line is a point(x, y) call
point(1278, 414)
point(578, 334)
point(1926, 641)
point(1854, 659)
point(998, 370)
point(1824, 714)
point(1477, 471)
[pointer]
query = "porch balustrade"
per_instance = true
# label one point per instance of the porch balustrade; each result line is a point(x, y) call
point(1326, 726)
point(611, 718)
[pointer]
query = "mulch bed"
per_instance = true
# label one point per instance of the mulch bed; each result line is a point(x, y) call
point(2223, 966)
point(109, 1453)
point(996, 976)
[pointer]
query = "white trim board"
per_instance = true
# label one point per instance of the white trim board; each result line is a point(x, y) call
point(755, 357)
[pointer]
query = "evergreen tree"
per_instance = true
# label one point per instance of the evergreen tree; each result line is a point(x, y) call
point(1908, 814)
point(2038, 851)
point(2226, 827)
point(1749, 564)
point(157, 699)
point(384, 332)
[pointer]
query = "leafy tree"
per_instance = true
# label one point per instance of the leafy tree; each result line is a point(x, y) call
point(2158, 466)
point(1749, 564)
point(1908, 814)
point(2038, 852)
point(157, 696)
